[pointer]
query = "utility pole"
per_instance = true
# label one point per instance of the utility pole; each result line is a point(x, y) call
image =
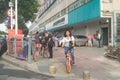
point(16, 17)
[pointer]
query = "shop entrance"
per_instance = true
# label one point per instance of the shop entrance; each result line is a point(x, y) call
point(105, 36)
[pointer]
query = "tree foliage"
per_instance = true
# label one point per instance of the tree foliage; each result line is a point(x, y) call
point(26, 10)
point(3, 8)
point(2, 33)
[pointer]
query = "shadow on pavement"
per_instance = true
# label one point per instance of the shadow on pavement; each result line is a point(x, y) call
point(22, 74)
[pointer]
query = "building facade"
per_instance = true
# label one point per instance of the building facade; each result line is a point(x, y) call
point(83, 17)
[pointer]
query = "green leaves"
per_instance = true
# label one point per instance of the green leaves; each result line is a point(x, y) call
point(26, 10)
point(2, 32)
point(3, 8)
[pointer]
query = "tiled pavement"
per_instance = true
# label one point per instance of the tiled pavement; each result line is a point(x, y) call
point(87, 58)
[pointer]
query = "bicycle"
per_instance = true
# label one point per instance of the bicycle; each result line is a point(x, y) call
point(69, 62)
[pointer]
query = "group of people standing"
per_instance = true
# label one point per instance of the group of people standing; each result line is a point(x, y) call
point(43, 41)
point(96, 36)
point(47, 41)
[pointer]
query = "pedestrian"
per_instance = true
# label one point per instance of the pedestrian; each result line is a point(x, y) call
point(37, 40)
point(99, 38)
point(25, 49)
point(50, 43)
point(36, 55)
point(55, 41)
point(68, 44)
point(90, 41)
point(43, 43)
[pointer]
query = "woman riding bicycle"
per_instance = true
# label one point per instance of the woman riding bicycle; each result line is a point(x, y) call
point(68, 44)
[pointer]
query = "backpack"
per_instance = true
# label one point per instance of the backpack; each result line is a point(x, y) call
point(43, 41)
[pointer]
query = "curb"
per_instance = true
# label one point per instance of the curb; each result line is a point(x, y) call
point(24, 66)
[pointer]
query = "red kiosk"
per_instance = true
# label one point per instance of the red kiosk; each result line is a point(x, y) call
point(13, 40)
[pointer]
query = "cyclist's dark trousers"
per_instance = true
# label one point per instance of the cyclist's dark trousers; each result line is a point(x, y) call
point(50, 51)
point(71, 52)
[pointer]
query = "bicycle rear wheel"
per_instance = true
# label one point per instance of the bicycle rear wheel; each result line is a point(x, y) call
point(68, 66)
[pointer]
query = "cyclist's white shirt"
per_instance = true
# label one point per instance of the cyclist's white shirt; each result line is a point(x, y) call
point(66, 41)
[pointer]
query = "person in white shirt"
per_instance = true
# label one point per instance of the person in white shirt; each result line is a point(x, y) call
point(68, 44)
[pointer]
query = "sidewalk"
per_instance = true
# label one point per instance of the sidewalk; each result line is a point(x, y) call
point(91, 59)
point(42, 66)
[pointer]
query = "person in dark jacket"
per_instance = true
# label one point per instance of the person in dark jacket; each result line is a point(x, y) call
point(50, 43)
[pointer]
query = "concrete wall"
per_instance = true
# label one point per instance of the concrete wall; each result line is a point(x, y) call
point(54, 10)
point(87, 28)
point(110, 6)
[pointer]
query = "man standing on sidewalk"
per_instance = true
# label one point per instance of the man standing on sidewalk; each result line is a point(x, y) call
point(50, 43)
point(99, 38)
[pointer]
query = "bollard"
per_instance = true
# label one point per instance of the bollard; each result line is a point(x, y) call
point(52, 69)
point(86, 75)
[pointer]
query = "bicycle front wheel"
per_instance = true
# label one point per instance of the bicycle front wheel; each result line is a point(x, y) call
point(68, 67)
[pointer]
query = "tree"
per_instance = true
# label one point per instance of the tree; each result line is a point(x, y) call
point(2, 33)
point(3, 9)
point(26, 10)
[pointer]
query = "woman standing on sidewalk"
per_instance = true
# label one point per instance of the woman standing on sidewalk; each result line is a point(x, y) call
point(68, 44)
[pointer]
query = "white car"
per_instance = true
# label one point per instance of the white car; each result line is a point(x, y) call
point(60, 41)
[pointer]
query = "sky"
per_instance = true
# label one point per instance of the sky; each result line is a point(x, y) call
point(28, 24)
point(3, 27)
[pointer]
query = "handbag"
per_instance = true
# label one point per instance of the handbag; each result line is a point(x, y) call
point(71, 43)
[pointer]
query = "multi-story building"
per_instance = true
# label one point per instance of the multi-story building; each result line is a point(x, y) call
point(83, 17)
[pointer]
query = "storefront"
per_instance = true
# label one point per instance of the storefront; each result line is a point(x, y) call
point(85, 18)
point(77, 17)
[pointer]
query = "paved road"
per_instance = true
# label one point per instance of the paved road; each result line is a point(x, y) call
point(11, 72)
point(87, 58)
point(93, 60)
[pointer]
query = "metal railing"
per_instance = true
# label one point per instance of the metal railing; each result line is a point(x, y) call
point(21, 48)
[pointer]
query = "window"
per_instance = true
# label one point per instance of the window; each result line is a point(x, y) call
point(63, 12)
point(70, 8)
point(76, 5)
point(59, 22)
